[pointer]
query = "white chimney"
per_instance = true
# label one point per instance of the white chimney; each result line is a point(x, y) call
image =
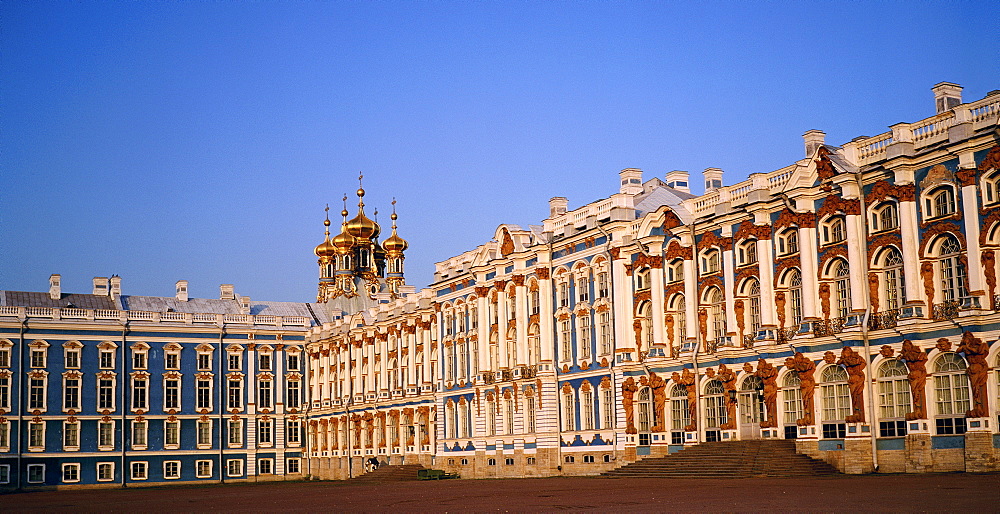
point(227, 292)
point(557, 206)
point(947, 96)
point(713, 179)
point(116, 286)
point(631, 181)
point(55, 286)
point(101, 286)
point(244, 305)
point(182, 290)
point(813, 139)
point(678, 180)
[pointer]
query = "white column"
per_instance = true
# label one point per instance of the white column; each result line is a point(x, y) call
point(545, 320)
point(729, 290)
point(766, 261)
point(622, 305)
point(691, 299)
point(382, 352)
point(521, 315)
point(809, 261)
point(411, 373)
point(483, 331)
point(976, 274)
point(656, 297)
point(425, 335)
point(503, 317)
point(859, 282)
point(911, 258)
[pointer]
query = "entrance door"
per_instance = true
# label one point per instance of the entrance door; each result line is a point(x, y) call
point(751, 406)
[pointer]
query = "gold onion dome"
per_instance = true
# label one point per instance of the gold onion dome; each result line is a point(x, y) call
point(344, 240)
point(394, 244)
point(326, 248)
point(361, 227)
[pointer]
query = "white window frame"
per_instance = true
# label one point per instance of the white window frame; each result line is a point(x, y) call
point(101, 426)
point(35, 468)
point(71, 427)
point(171, 474)
point(74, 469)
point(203, 436)
point(35, 437)
point(234, 467)
point(265, 466)
point(110, 466)
point(139, 470)
point(293, 466)
point(199, 468)
point(167, 444)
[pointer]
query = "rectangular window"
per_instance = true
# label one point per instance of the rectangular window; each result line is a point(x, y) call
point(265, 466)
point(834, 430)
point(38, 357)
point(204, 433)
point(4, 436)
point(138, 359)
point(583, 290)
point(203, 468)
point(608, 408)
point(293, 466)
point(71, 436)
point(605, 333)
point(895, 428)
point(139, 470)
point(173, 361)
point(234, 467)
point(139, 434)
point(264, 394)
point(235, 394)
point(293, 432)
point(264, 361)
point(585, 338)
point(293, 394)
point(204, 394)
point(105, 471)
point(235, 432)
point(235, 363)
point(204, 362)
point(72, 359)
point(36, 473)
point(107, 359)
point(4, 357)
point(172, 469)
point(171, 394)
point(36, 435)
point(5, 393)
point(71, 472)
point(4, 473)
point(950, 426)
point(265, 432)
point(565, 340)
point(106, 435)
point(140, 392)
point(172, 434)
point(293, 362)
point(105, 394)
point(71, 394)
point(36, 394)
point(602, 285)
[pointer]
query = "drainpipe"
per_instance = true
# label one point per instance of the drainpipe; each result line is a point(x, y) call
point(864, 324)
point(124, 406)
point(223, 385)
point(350, 400)
point(20, 398)
point(307, 396)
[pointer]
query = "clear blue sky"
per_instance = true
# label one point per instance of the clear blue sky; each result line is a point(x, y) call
point(201, 140)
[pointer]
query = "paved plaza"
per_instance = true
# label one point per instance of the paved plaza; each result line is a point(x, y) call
point(958, 492)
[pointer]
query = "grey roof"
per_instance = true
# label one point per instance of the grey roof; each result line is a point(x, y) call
point(167, 304)
point(659, 196)
point(38, 299)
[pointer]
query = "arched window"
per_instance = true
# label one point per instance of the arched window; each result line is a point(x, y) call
point(565, 340)
point(508, 415)
point(569, 410)
point(940, 202)
point(679, 311)
point(836, 398)
point(751, 400)
point(646, 319)
point(752, 290)
point(715, 405)
point(717, 304)
point(679, 413)
point(583, 287)
point(788, 242)
point(494, 352)
point(674, 271)
point(841, 274)
point(642, 281)
point(534, 345)
point(491, 416)
point(710, 262)
point(533, 301)
point(893, 398)
point(512, 348)
point(644, 409)
point(463, 419)
point(791, 395)
point(950, 269)
point(893, 287)
point(885, 217)
point(991, 188)
point(793, 279)
point(462, 349)
point(450, 423)
point(747, 252)
point(951, 389)
point(834, 230)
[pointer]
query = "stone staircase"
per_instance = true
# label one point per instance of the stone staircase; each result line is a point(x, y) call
point(391, 473)
point(730, 459)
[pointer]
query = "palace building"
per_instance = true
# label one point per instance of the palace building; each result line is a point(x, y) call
point(847, 301)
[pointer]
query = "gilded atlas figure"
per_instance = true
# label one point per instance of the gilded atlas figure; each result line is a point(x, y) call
point(769, 376)
point(916, 362)
point(687, 379)
point(975, 351)
point(728, 379)
point(805, 369)
point(855, 365)
point(629, 388)
point(659, 386)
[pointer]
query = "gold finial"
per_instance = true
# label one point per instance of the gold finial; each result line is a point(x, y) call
point(361, 190)
point(393, 217)
point(344, 212)
point(326, 223)
point(375, 213)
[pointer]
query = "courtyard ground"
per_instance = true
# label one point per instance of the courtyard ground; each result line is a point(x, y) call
point(958, 492)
